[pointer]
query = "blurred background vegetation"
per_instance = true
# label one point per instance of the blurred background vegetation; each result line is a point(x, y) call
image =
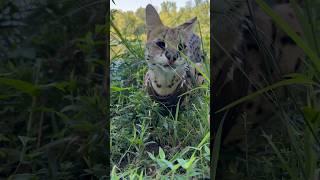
point(145, 144)
point(131, 24)
point(52, 110)
point(288, 146)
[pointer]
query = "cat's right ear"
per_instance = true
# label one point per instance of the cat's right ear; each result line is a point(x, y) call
point(152, 18)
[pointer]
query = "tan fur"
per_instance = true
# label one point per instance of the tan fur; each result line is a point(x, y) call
point(287, 57)
point(164, 75)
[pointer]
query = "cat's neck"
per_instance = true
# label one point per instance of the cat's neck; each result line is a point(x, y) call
point(165, 80)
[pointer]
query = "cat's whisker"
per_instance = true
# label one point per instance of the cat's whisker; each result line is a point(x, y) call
point(167, 81)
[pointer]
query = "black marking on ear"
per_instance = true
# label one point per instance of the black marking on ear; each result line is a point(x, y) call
point(286, 40)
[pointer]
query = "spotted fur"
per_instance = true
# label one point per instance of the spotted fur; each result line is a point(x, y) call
point(251, 53)
point(168, 53)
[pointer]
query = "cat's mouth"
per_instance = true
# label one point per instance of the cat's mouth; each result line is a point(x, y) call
point(169, 66)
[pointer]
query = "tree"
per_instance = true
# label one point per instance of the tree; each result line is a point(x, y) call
point(169, 7)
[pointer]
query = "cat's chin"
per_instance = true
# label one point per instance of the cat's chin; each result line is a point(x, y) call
point(169, 66)
point(173, 65)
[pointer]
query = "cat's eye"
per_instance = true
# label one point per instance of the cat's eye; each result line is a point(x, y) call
point(181, 46)
point(161, 44)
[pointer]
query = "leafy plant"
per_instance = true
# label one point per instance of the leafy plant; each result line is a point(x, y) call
point(144, 143)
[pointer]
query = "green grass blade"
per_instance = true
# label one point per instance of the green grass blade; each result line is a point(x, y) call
point(21, 86)
point(216, 149)
point(294, 81)
point(282, 159)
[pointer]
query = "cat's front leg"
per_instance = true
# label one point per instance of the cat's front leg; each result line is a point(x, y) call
point(198, 76)
point(146, 80)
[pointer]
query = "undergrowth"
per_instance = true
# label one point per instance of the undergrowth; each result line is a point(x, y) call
point(53, 112)
point(291, 149)
point(144, 143)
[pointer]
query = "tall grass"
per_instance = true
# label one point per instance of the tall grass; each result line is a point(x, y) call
point(295, 155)
point(304, 139)
point(144, 143)
point(52, 112)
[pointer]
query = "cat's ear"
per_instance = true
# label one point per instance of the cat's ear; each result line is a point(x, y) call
point(152, 18)
point(189, 25)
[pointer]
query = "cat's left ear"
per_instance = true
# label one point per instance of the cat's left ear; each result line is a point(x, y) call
point(189, 25)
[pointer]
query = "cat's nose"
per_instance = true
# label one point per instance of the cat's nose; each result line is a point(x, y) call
point(172, 56)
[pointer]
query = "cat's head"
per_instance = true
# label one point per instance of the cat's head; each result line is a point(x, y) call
point(166, 46)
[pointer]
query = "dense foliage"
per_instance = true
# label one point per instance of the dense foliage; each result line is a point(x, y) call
point(144, 143)
point(52, 112)
point(289, 147)
point(53, 109)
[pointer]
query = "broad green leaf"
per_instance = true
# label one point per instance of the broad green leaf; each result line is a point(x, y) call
point(2, 97)
point(59, 85)
point(21, 86)
point(114, 175)
point(151, 156)
point(118, 89)
point(182, 162)
point(204, 140)
point(190, 162)
point(311, 114)
point(168, 163)
point(161, 153)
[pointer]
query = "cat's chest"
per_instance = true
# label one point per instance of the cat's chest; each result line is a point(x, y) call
point(165, 80)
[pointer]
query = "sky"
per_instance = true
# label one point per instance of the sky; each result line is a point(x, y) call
point(132, 5)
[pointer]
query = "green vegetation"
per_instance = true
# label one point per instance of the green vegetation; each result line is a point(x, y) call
point(52, 110)
point(145, 144)
point(291, 149)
